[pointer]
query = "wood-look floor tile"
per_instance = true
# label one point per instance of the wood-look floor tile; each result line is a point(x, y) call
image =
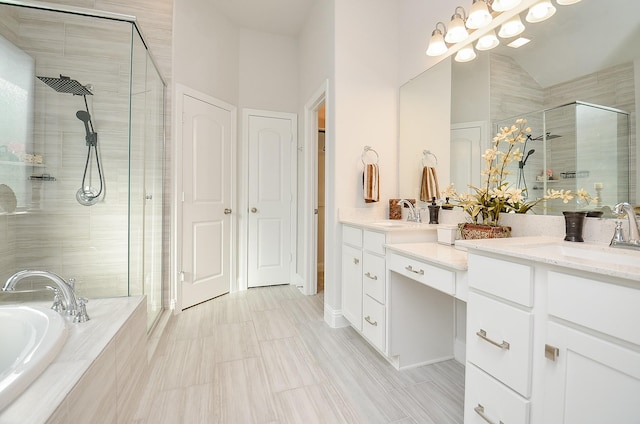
point(231, 342)
point(368, 398)
point(309, 405)
point(243, 393)
point(428, 401)
point(326, 343)
point(273, 324)
point(289, 365)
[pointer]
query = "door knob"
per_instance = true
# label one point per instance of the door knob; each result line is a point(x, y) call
point(254, 210)
point(227, 211)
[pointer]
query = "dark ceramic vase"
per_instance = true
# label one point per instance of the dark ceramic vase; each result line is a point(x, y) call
point(574, 223)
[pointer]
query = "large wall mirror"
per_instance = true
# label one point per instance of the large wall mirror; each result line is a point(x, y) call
point(578, 84)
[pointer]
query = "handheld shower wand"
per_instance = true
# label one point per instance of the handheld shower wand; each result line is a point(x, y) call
point(88, 195)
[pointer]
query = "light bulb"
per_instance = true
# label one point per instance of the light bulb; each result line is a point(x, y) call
point(437, 45)
point(479, 15)
point(456, 31)
point(541, 11)
point(465, 54)
point(511, 28)
point(488, 41)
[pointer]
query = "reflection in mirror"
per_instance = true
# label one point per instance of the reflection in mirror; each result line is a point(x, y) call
point(567, 61)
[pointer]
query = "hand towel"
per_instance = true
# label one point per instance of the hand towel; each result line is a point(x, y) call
point(429, 185)
point(371, 183)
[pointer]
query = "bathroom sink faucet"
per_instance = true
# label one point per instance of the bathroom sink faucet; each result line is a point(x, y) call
point(633, 242)
point(414, 215)
point(60, 286)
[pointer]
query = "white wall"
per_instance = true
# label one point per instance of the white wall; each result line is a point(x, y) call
point(205, 50)
point(316, 61)
point(365, 113)
point(268, 71)
point(418, 19)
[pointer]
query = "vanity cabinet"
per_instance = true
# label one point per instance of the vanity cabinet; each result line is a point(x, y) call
point(364, 276)
point(547, 344)
point(592, 368)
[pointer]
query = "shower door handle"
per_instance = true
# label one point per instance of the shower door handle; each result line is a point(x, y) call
point(227, 211)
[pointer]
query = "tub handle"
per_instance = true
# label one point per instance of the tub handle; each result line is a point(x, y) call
point(82, 315)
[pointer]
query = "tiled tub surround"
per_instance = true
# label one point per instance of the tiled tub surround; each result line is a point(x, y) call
point(96, 375)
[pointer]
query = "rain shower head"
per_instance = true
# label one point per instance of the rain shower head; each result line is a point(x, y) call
point(66, 85)
point(549, 137)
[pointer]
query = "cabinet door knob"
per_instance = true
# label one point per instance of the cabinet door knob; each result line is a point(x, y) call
point(373, 277)
point(368, 319)
point(483, 335)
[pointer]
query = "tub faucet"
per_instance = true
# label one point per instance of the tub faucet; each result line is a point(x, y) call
point(633, 242)
point(414, 215)
point(60, 286)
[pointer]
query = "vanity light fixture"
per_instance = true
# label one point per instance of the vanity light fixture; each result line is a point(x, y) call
point(465, 54)
point(488, 41)
point(456, 30)
point(511, 28)
point(518, 42)
point(566, 2)
point(540, 11)
point(437, 45)
point(504, 5)
point(479, 15)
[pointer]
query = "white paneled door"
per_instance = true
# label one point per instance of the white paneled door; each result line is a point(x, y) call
point(207, 131)
point(272, 147)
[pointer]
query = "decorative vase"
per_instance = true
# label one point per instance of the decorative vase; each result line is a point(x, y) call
point(470, 231)
point(574, 223)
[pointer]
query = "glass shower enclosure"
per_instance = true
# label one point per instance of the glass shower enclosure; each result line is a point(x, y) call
point(81, 151)
point(575, 146)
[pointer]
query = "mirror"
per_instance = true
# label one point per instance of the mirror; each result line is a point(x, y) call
point(587, 52)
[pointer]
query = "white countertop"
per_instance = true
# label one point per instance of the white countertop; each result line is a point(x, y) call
point(389, 225)
point(432, 252)
point(588, 257)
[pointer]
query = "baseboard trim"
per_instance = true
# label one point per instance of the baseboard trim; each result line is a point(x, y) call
point(334, 318)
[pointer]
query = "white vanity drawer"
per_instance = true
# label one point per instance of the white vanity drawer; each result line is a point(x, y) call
point(374, 276)
point(499, 341)
point(605, 307)
point(352, 235)
point(373, 326)
point(374, 242)
point(487, 396)
point(509, 280)
point(429, 275)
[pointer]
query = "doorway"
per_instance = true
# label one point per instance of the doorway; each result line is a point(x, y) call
point(320, 178)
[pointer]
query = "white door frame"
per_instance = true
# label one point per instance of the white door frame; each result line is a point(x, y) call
point(176, 222)
point(310, 149)
point(243, 193)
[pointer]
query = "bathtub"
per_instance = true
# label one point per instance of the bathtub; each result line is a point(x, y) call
point(31, 338)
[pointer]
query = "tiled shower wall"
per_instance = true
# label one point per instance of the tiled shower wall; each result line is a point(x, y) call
point(514, 93)
point(59, 235)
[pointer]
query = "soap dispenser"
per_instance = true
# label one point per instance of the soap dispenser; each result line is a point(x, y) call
point(434, 209)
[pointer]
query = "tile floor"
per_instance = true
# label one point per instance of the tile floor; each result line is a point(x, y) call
point(266, 356)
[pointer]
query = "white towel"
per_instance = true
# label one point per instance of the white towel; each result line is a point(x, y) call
point(371, 183)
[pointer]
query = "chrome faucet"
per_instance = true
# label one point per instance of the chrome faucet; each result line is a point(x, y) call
point(414, 215)
point(61, 286)
point(618, 240)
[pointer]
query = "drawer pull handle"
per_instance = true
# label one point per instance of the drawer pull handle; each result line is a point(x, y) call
point(551, 352)
point(368, 319)
point(410, 269)
point(483, 335)
point(480, 411)
point(373, 277)
point(356, 261)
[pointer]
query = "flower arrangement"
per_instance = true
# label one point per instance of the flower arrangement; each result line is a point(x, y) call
point(496, 195)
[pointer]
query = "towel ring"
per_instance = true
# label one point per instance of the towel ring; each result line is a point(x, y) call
point(364, 153)
point(426, 155)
